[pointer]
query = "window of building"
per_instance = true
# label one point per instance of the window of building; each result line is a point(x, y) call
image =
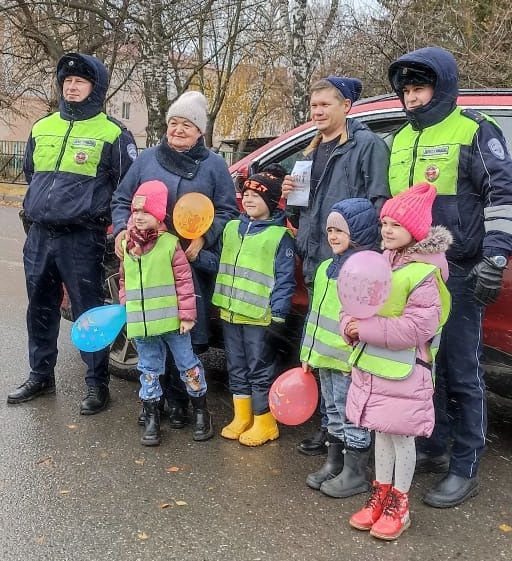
point(125, 111)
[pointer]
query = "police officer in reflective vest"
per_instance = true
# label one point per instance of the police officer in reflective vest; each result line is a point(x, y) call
point(463, 152)
point(74, 160)
point(254, 289)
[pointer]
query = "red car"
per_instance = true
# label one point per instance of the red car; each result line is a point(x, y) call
point(384, 115)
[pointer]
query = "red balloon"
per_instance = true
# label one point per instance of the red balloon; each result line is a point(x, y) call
point(293, 397)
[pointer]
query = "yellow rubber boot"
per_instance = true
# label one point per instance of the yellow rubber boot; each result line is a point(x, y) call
point(242, 419)
point(264, 428)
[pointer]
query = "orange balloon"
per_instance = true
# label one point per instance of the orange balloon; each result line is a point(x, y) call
point(192, 215)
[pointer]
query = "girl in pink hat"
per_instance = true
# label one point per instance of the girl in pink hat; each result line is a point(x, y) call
point(392, 375)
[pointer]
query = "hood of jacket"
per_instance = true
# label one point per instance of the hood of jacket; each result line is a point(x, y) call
point(95, 102)
point(251, 227)
point(431, 250)
point(446, 89)
point(363, 224)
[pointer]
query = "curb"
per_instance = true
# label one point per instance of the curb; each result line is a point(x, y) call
point(11, 199)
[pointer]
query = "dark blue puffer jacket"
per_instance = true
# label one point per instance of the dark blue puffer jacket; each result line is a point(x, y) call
point(480, 214)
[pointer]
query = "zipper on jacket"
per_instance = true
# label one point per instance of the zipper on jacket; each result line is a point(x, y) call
point(142, 300)
point(414, 155)
point(59, 159)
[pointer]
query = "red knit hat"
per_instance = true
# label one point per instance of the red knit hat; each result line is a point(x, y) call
point(412, 209)
point(151, 197)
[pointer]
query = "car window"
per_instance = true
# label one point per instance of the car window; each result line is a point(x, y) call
point(505, 122)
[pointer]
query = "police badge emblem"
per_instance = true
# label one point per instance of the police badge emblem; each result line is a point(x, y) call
point(81, 157)
point(431, 173)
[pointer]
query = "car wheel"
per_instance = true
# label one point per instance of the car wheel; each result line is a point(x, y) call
point(122, 360)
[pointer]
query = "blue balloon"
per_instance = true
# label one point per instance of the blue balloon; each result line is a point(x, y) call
point(98, 327)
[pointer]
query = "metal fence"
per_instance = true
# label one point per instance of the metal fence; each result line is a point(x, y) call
point(11, 161)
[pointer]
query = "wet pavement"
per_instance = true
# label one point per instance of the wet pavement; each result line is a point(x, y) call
point(83, 488)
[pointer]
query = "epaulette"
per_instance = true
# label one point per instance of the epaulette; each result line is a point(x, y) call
point(118, 123)
point(474, 115)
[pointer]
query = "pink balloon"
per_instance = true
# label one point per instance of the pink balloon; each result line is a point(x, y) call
point(293, 397)
point(364, 283)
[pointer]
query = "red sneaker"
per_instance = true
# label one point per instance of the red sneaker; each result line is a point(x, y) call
point(395, 517)
point(372, 510)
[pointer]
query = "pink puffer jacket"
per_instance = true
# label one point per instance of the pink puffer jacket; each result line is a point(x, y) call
point(403, 407)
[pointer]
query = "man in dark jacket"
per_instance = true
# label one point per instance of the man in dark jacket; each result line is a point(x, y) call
point(74, 160)
point(348, 160)
point(462, 152)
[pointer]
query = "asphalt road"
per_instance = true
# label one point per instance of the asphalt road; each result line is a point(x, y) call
point(78, 488)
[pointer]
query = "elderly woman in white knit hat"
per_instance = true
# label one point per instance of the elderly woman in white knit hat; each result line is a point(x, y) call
point(183, 162)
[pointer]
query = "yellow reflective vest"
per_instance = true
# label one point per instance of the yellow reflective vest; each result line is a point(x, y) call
point(151, 301)
point(322, 345)
point(397, 365)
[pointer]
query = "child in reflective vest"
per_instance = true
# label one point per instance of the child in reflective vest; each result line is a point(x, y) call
point(253, 290)
point(392, 374)
point(352, 225)
point(155, 284)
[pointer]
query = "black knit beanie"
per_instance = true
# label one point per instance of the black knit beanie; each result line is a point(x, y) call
point(267, 183)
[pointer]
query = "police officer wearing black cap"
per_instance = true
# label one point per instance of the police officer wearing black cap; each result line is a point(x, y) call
point(74, 160)
point(464, 154)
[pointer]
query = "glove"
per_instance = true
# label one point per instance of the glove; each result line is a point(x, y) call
point(277, 333)
point(488, 277)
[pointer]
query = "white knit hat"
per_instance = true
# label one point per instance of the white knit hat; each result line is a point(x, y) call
point(192, 106)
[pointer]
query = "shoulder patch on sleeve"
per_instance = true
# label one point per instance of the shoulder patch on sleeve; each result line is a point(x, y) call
point(474, 115)
point(132, 151)
point(496, 148)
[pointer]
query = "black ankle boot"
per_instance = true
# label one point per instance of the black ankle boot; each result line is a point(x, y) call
point(332, 466)
point(315, 445)
point(141, 419)
point(353, 479)
point(151, 436)
point(202, 420)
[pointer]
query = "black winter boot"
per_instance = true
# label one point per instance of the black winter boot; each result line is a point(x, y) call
point(202, 420)
point(141, 419)
point(353, 479)
point(315, 445)
point(151, 436)
point(332, 466)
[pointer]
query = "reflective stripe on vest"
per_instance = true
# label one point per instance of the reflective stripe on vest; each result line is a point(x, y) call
point(397, 365)
point(72, 146)
point(151, 302)
point(419, 156)
point(246, 274)
point(323, 346)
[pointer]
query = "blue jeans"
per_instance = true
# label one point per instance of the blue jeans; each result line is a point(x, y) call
point(335, 386)
point(151, 365)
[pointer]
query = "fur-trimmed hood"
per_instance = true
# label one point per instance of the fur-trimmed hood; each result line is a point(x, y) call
point(430, 250)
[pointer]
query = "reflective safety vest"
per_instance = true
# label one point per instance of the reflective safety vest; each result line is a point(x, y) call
point(323, 346)
point(246, 274)
point(151, 302)
point(72, 146)
point(397, 365)
point(431, 154)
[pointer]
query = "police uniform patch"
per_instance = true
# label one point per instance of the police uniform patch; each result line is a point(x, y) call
point(431, 173)
point(496, 147)
point(81, 157)
point(132, 151)
point(289, 252)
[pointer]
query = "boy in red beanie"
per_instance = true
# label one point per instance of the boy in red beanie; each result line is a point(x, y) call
point(392, 364)
point(156, 285)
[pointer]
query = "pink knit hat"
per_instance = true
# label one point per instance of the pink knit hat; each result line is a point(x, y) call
point(412, 209)
point(151, 197)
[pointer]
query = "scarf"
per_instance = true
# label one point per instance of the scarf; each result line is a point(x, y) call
point(184, 164)
point(137, 239)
